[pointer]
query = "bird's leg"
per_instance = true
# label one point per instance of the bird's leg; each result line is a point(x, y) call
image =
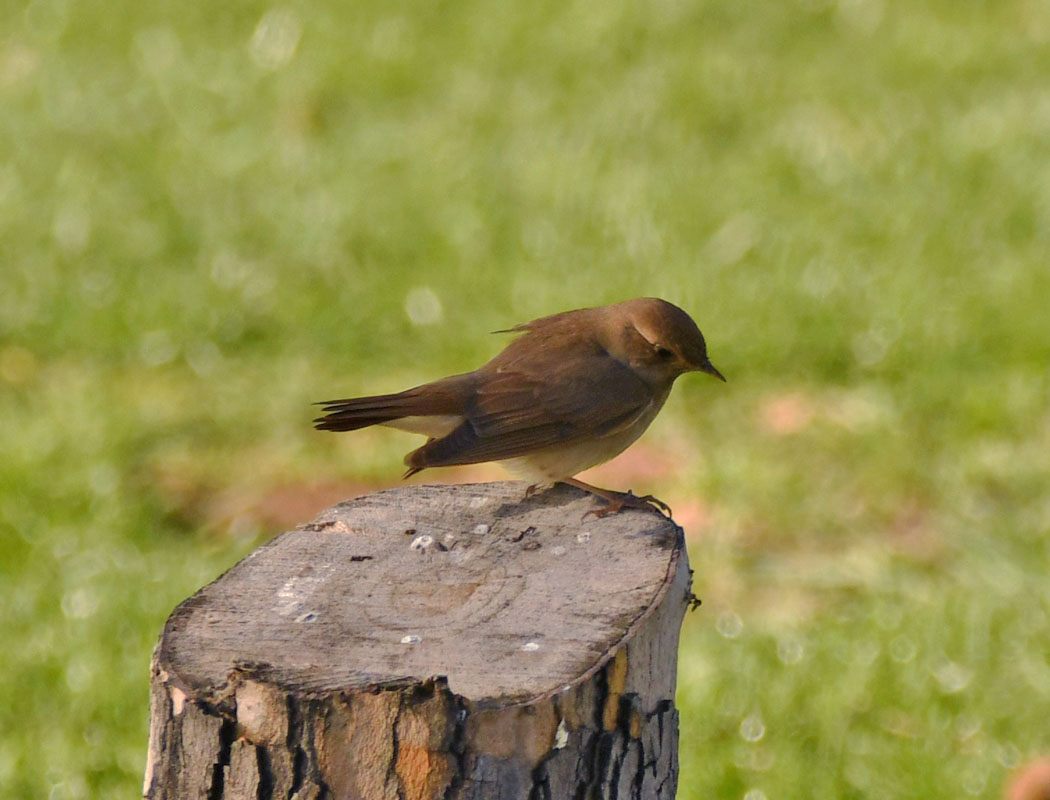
point(531, 490)
point(618, 501)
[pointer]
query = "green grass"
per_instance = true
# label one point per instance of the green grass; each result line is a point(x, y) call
point(211, 217)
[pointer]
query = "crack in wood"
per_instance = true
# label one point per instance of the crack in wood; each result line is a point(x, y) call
point(457, 746)
point(222, 763)
point(395, 746)
point(266, 777)
point(294, 742)
point(327, 718)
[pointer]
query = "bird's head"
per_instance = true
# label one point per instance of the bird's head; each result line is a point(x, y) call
point(658, 340)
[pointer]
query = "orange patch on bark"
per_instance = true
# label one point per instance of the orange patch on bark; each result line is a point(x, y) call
point(422, 774)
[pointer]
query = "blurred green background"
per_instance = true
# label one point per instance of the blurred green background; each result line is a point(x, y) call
point(211, 216)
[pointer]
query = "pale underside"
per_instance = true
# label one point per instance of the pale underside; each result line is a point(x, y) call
point(433, 426)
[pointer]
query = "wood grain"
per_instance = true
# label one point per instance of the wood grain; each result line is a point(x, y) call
point(430, 642)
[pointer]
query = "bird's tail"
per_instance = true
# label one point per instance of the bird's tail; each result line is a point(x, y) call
point(360, 412)
point(448, 396)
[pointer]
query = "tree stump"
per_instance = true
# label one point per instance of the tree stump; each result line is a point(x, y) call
point(430, 642)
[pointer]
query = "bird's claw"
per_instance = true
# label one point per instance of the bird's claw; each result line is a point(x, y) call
point(629, 499)
point(603, 511)
point(654, 502)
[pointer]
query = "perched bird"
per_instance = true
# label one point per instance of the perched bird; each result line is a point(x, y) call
point(572, 391)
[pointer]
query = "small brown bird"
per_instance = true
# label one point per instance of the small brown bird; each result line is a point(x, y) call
point(574, 390)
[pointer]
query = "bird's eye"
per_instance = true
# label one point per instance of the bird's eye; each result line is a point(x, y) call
point(664, 354)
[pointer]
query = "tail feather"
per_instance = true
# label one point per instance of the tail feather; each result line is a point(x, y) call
point(360, 412)
point(447, 396)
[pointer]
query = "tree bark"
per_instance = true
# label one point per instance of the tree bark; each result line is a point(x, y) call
point(430, 642)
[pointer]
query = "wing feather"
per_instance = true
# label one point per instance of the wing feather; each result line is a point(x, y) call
point(519, 411)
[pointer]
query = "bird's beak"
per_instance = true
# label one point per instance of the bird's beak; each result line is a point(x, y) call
point(710, 369)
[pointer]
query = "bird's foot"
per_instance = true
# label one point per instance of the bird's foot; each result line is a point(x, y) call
point(532, 489)
point(618, 501)
point(615, 502)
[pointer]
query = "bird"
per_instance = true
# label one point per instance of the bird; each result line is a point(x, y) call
point(571, 391)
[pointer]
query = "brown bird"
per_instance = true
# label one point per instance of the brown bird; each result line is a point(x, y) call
point(574, 390)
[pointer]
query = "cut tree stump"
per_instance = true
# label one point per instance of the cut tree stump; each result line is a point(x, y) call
point(430, 642)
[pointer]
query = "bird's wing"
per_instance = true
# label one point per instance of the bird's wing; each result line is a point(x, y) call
point(520, 411)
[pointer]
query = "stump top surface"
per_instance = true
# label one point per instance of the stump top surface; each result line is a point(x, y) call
point(510, 599)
